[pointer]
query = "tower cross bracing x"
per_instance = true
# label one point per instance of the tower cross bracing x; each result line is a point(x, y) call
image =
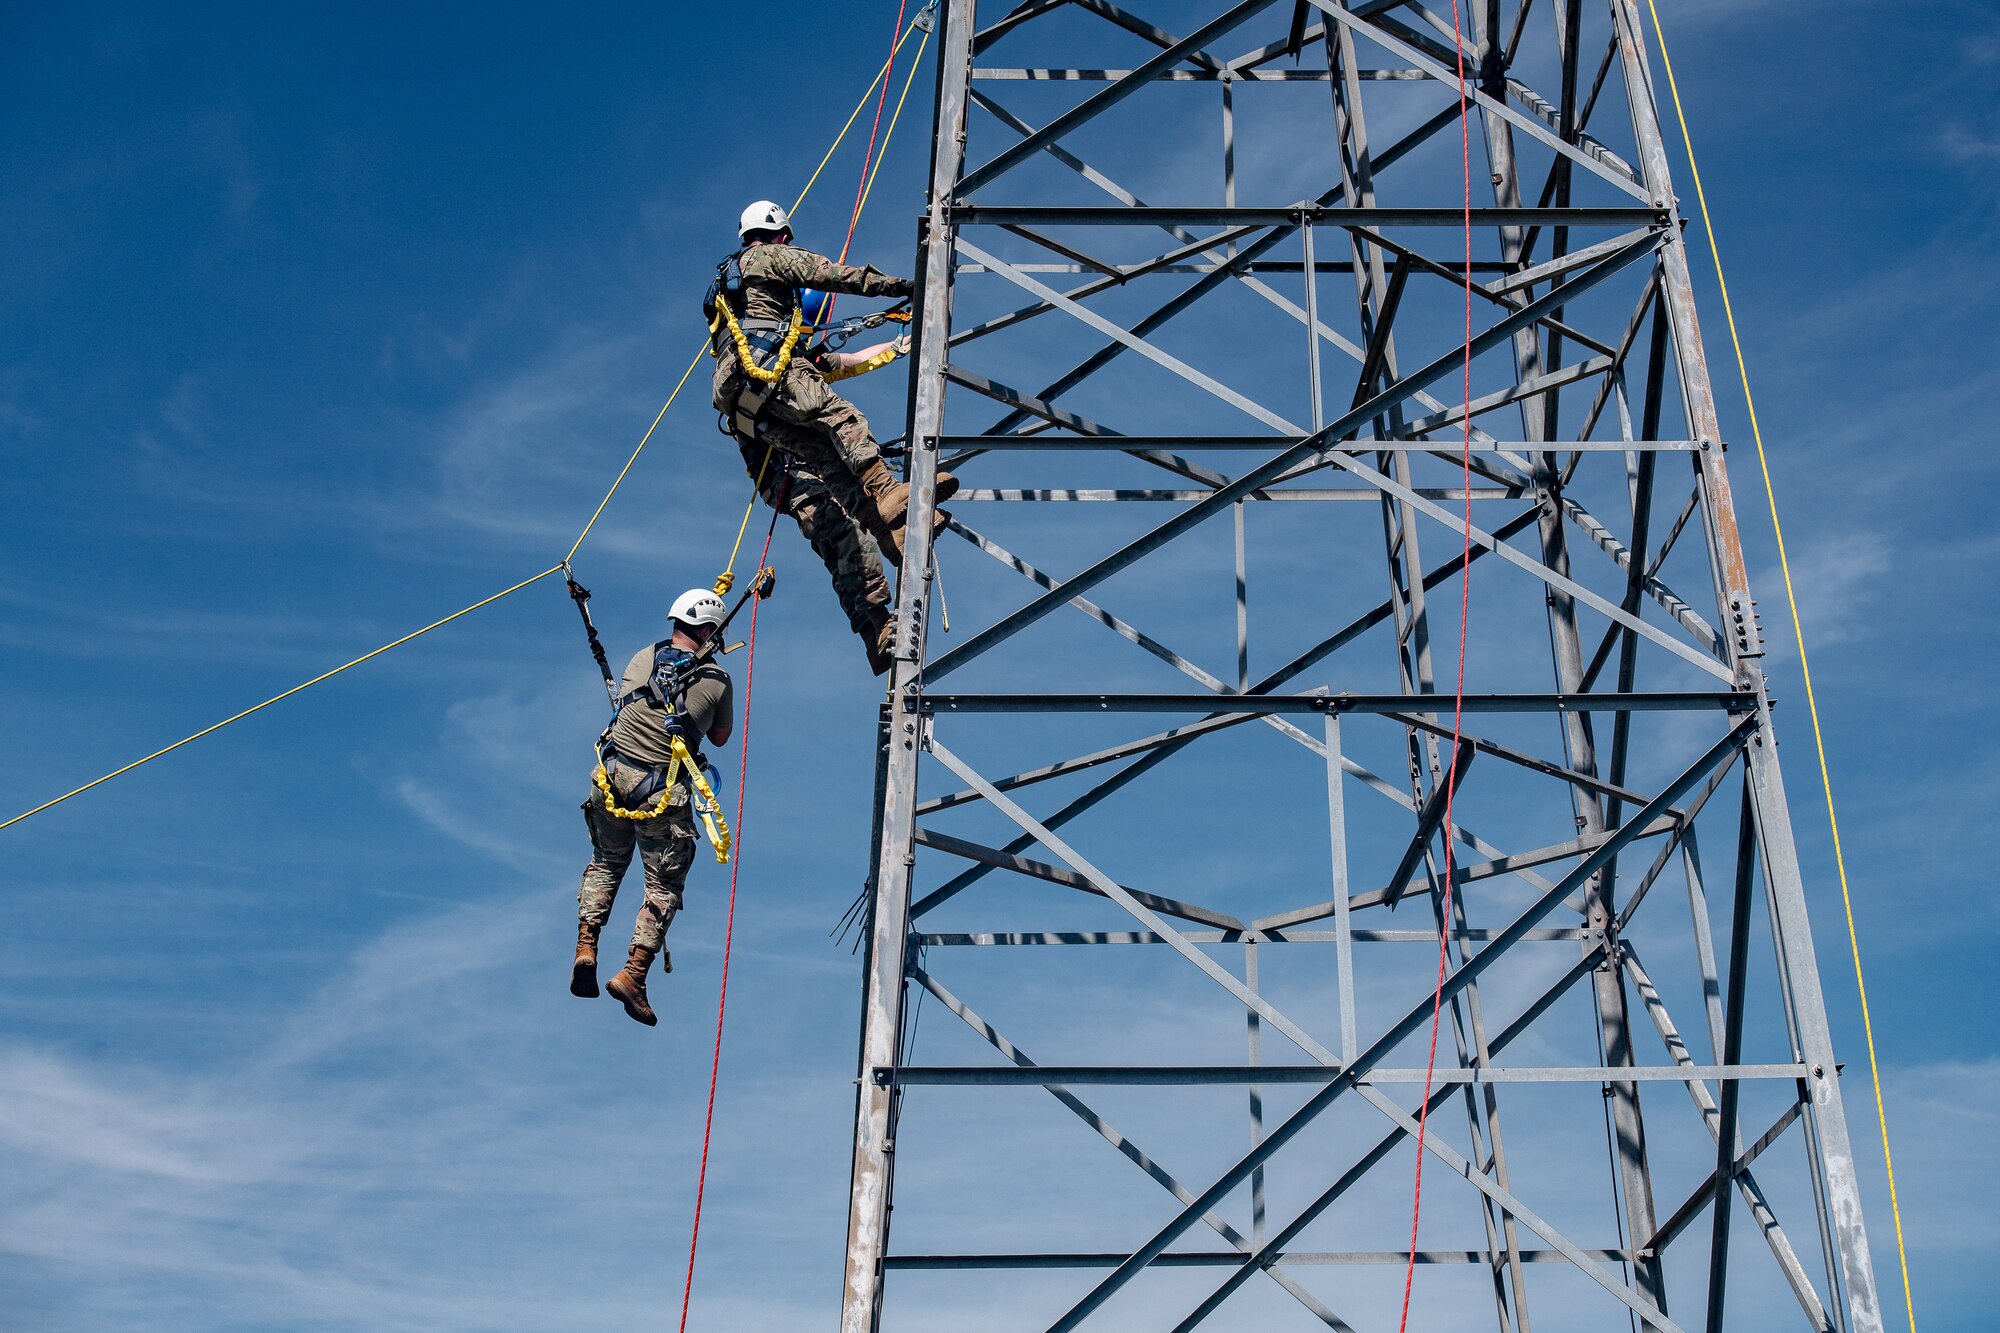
point(1162, 819)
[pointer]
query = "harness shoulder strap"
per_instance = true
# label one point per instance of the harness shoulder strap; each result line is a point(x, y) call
point(664, 686)
point(727, 286)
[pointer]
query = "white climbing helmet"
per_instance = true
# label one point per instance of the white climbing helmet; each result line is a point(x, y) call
point(697, 606)
point(762, 216)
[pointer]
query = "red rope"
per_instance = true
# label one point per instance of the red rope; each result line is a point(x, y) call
point(729, 929)
point(1458, 688)
point(749, 680)
point(881, 98)
point(868, 158)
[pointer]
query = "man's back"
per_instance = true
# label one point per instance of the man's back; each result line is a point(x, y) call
point(640, 732)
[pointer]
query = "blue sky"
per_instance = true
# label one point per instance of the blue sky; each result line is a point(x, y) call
point(316, 330)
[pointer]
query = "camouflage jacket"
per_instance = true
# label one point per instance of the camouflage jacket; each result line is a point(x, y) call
point(773, 274)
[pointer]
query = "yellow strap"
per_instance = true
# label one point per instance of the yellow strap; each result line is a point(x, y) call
point(875, 362)
point(711, 818)
point(718, 828)
point(1798, 633)
point(617, 811)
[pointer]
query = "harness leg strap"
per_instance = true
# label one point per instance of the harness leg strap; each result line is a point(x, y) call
point(749, 407)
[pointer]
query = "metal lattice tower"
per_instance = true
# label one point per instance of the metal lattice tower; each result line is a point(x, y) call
point(1191, 310)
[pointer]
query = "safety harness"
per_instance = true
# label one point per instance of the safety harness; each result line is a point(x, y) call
point(665, 687)
point(764, 348)
point(754, 340)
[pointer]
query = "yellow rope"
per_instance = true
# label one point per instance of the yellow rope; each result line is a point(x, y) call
point(853, 115)
point(727, 577)
point(916, 63)
point(620, 480)
point(325, 675)
point(574, 546)
point(1798, 632)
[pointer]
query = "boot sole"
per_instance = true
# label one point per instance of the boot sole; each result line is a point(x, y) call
point(649, 1018)
point(583, 981)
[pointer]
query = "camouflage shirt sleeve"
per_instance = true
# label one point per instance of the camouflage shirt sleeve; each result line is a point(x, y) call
point(803, 268)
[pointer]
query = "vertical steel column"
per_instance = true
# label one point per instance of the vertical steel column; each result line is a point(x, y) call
point(1726, 1139)
point(1579, 743)
point(1784, 881)
point(882, 1017)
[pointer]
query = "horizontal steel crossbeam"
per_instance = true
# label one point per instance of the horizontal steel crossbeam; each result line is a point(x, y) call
point(963, 1076)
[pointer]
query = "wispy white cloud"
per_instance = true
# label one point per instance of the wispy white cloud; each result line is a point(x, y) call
point(1936, 1111)
point(1837, 579)
point(1970, 144)
point(414, 1108)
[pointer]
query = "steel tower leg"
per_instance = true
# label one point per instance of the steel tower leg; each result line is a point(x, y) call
point(1785, 884)
point(888, 948)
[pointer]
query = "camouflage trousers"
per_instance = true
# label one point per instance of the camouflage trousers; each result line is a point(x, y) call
point(665, 845)
point(852, 559)
point(820, 428)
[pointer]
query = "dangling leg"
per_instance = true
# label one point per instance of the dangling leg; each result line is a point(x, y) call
point(854, 563)
point(666, 849)
point(611, 842)
point(853, 560)
point(879, 500)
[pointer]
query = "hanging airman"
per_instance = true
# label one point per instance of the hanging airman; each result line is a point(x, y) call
point(673, 696)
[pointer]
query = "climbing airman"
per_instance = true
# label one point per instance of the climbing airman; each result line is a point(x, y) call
point(810, 450)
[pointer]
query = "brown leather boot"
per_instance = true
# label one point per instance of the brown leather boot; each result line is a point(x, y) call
point(891, 541)
point(583, 973)
point(891, 498)
point(878, 640)
point(888, 497)
point(629, 987)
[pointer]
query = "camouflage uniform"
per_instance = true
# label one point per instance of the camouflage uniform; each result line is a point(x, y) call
point(832, 436)
point(666, 846)
point(813, 500)
point(818, 443)
point(666, 842)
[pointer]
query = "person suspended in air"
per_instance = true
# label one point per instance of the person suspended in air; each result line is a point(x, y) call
point(810, 450)
point(672, 698)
